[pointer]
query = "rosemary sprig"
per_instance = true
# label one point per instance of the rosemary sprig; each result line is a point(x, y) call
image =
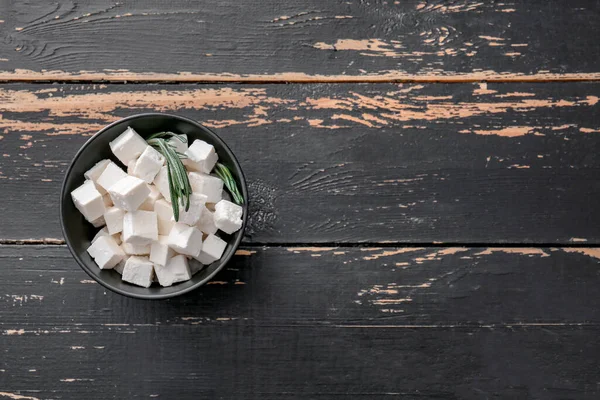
point(179, 183)
point(225, 175)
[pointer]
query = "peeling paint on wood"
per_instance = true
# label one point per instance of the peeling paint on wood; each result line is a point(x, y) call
point(590, 252)
point(448, 309)
point(431, 76)
point(513, 250)
point(296, 196)
point(297, 42)
point(16, 396)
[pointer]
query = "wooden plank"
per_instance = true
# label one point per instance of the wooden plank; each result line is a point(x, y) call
point(350, 163)
point(311, 323)
point(427, 40)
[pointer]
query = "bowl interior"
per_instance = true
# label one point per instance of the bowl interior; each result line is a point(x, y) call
point(79, 233)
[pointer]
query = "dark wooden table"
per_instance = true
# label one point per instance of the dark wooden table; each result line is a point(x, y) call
point(424, 182)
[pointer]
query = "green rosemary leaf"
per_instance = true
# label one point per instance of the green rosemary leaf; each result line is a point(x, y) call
point(223, 172)
point(179, 184)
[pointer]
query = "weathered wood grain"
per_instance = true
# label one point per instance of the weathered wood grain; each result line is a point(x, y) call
point(343, 163)
point(311, 323)
point(310, 40)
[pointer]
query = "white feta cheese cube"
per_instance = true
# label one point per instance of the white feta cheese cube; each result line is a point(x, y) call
point(112, 174)
point(94, 173)
point(129, 193)
point(128, 146)
point(180, 145)
point(194, 212)
point(162, 183)
point(206, 223)
point(88, 201)
point(228, 216)
point(154, 195)
point(136, 249)
point(208, 185)
point(160, 252)
point(147, 166)
point(201, 156)
point(212, 249)
point(185, 239)
point(106, 252)
point(164, 214)
point(176, 270)
point(140, 227)
point(139, 271)
point(114, 220)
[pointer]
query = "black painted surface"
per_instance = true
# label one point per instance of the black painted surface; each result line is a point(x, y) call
point(374, 165)
point(331, 38)
point(310, 323)
point(464, 163)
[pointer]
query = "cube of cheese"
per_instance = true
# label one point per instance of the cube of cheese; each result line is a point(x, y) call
point(121, 265)
point(88, 201)
point(212, 249)
point(192, 215)
point(94, 173)
point(129, 193)
point(228, 216)
point(206, 223)
point(128, 146)
point(154, 195)
point(176, 270)
point(140, 227)
point(164, 214)
point(180, 145)
point(114, 220)
point(160, 252)
point(139, 271)
point(136, 249)
point(148, 165)
point(111, 175)
point(185, 239)
point(106, 252)
point(201, 157)
point(162, 183)
point(208, 185)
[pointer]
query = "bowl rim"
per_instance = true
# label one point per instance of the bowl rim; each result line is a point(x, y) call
point(224, 261)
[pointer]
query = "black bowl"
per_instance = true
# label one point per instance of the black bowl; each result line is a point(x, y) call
point(78, 232)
